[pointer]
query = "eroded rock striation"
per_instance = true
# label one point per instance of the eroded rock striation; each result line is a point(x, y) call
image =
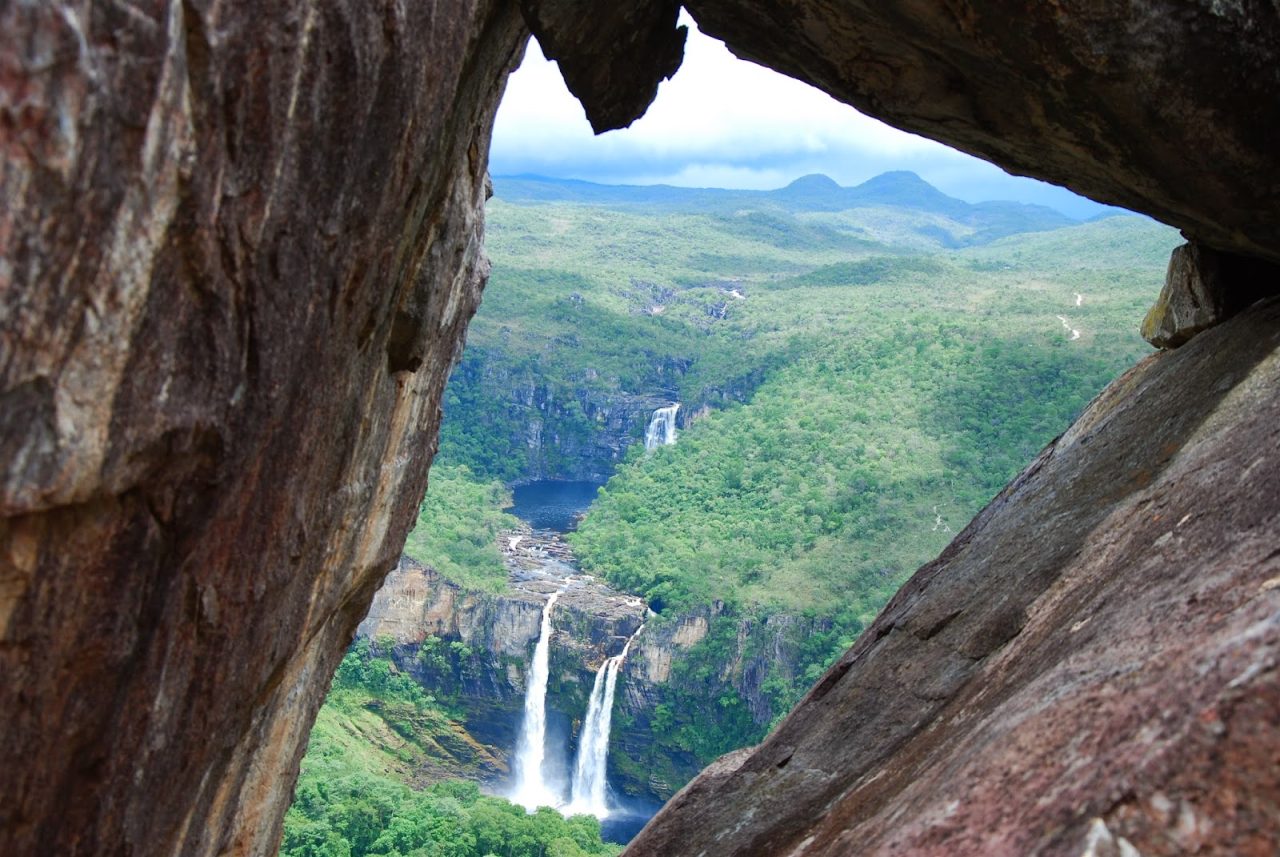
point(1095, 659)
point(239, 246)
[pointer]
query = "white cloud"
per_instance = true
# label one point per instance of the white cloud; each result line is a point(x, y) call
point(725, 122)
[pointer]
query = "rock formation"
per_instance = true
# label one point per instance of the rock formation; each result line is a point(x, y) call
point(481, 649)
point(238, 248)
point(1204, 288)
point(496, 633)
point(1094, 659)
point(240, 243)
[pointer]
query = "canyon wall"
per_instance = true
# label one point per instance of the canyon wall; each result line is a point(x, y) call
point(579, 430)
point(526, 427)
point(473, 649)
point(240, 243)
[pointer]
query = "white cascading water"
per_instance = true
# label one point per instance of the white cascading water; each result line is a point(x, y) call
point(590, 783)
point(531, 788)
point(662, 428)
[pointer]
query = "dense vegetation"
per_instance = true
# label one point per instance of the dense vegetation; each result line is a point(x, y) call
point(457, 528)
point(870, 388)
point(862, 381)
point(377, 732)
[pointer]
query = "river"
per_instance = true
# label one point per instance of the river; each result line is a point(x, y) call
point(557, 507)
point(552, 505)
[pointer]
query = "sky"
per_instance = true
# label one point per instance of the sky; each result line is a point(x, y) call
point(725, 122)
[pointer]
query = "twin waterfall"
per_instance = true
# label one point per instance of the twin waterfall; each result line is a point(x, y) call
point(531, 790)
point(662, 428)
point(589, 789)
point(589, 771)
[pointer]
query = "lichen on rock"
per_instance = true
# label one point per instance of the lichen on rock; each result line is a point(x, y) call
point(1204, 288)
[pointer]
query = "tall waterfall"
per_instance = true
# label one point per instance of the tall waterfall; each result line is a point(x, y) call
point(531, 789)
point(662, 428)
point(590, 786)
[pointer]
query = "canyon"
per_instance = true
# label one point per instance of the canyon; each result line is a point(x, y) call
point(480, 650)
point(241, 245)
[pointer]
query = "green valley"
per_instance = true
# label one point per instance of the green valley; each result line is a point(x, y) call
point(859, 371)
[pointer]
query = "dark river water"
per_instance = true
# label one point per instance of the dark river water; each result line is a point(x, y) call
point(548, 505)
point(623, 828)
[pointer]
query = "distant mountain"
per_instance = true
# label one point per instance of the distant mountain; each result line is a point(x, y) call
point(972, 223)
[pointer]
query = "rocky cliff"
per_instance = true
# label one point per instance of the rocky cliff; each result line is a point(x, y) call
point(473, 649)
point(579, 430)
point(703, 672)
point(239, 245)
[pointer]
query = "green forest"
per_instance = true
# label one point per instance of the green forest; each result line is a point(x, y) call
point(378, 734)
point(855, 384)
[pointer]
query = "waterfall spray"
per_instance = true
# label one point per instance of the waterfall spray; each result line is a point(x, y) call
point(662, 427)
point(531, 789)
point(590, 783)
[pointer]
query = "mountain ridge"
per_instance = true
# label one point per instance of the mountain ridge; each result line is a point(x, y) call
point(808, 195)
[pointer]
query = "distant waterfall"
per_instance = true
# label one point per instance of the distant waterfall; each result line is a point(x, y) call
point(662, 428)
point(531, 790)
point(590, 786)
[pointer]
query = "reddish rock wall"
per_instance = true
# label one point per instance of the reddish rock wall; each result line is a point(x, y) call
point(241, 242)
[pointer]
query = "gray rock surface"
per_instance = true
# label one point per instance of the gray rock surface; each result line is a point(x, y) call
point(1203, 288)
point(612, 55)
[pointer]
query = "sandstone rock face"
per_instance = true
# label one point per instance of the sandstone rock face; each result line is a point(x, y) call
point(1167, 107)
point(496, 633)
point(1202, 288)
point(1094, 662)
point(238, 248)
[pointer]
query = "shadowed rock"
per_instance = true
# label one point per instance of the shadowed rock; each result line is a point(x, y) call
point(239, 245)
point(612, 55)
point(1202, 288)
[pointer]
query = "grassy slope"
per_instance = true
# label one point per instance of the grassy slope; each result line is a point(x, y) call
point(908, 383)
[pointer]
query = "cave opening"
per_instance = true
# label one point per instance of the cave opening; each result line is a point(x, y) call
point(586, 232)
point(239, 248)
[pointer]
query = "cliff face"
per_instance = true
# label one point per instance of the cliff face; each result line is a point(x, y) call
point(239, 245)
point(695, 685)
point(474, 648)
point(1094, 663)
point(575, 431)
